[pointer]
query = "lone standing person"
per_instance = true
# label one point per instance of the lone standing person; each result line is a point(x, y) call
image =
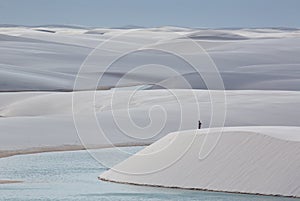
point(199, 124)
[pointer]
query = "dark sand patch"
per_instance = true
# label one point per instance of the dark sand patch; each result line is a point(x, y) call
point(10, 181)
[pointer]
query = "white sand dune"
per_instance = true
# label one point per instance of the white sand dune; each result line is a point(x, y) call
point(31, 59)
point(38, 119)
point(256, 160)
point(261, 73)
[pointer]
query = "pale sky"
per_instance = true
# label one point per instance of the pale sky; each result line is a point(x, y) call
point(152, 13)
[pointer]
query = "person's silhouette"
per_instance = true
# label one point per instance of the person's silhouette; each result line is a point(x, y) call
point(199, 124)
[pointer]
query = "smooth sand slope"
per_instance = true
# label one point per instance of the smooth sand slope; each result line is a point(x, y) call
point(35, 121)
point(49, 58)
point(256, 160)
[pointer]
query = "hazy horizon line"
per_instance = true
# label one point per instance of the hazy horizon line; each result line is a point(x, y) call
point(138, 26)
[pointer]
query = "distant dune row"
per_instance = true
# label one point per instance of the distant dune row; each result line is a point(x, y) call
point(49, 58)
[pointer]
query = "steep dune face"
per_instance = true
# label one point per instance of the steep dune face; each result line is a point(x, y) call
point(252, 160)
point(49, 58)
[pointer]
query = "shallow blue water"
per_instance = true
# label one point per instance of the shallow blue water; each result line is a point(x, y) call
point(73, 176)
